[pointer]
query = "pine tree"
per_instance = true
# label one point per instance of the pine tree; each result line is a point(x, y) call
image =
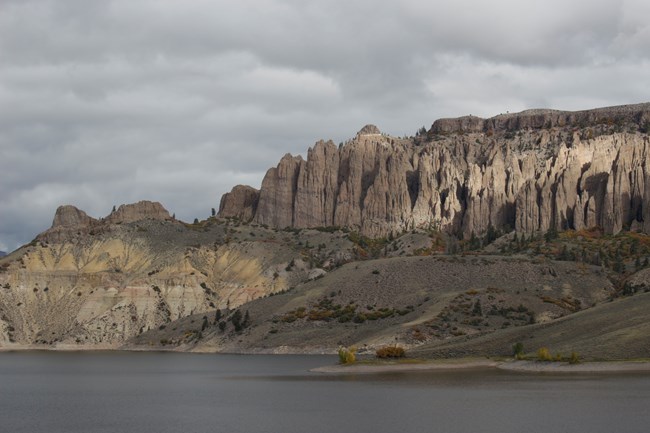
point(236, 320)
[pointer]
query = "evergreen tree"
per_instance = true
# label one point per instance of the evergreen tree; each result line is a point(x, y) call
point(477, 310)
point(491, 235)
point(564, 254)
point(550, 234)
point(236, 320)
point(474, 242)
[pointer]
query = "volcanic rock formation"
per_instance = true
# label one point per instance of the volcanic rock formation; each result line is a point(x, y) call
point(531, 171)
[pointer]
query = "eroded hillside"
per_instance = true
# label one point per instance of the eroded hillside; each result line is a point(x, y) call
point(101, 282)
point(452, 242)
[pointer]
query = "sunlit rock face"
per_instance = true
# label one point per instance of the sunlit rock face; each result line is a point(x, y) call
point(529, 171)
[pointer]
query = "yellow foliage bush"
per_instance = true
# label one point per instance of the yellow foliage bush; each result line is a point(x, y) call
point(543, 354)
point(390, 352)
point(347, 355)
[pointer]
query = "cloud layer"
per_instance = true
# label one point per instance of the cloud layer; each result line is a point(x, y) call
point(110, 102)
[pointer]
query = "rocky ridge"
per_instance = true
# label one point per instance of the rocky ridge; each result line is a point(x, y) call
point(530, 171)
point(70, 222)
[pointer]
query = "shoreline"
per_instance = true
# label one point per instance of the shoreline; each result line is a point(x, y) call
point(378, 367)
point(424, 365)
point(511, 366)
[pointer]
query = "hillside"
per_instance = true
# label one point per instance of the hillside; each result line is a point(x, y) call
point(410, 300)
point(101, 282)
point(527, 227)
point(610, 331)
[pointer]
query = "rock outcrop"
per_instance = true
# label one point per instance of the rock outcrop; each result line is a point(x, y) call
point(70, 216)
point(240, 203)
point(142, 210)
point(70, 222)
point(530, 171)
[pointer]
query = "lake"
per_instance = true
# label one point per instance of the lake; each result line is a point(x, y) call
point(90, 392)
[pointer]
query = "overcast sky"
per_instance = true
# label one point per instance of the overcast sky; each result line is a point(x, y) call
point(113, 101)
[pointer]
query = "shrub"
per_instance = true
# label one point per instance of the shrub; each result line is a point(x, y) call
point(390, 352)
point(518, 350)
point(574, 358)
point(543, 354)
point(347, 355)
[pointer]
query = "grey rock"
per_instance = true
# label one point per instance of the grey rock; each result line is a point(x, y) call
point(528, 171)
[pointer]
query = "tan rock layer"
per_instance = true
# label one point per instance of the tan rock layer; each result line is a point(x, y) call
point(529, 171)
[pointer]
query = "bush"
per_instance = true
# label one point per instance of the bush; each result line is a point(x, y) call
point(390, 352)
point(518, 350)
point(347, 355)
point(574, 359)
point(543, 354)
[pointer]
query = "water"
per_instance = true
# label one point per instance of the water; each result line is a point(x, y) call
point(166, 392)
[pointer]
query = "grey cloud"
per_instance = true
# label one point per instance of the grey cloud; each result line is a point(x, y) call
point(110, 102)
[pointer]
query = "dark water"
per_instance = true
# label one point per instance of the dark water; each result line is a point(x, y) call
point(159, 392)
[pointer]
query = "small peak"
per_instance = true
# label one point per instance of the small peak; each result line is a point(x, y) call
point(141, 210)
point(70, 216)
point(369, 130)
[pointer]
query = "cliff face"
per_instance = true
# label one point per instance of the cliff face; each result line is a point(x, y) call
point(240, 203)
point(530, 171)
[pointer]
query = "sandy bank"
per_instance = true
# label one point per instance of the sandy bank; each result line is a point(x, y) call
point(583, 367)
point(522, 366)
point(413, 366)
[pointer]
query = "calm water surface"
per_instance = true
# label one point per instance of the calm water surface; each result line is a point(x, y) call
point(166, 392)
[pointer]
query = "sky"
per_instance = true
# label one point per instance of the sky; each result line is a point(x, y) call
point(105, 102)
